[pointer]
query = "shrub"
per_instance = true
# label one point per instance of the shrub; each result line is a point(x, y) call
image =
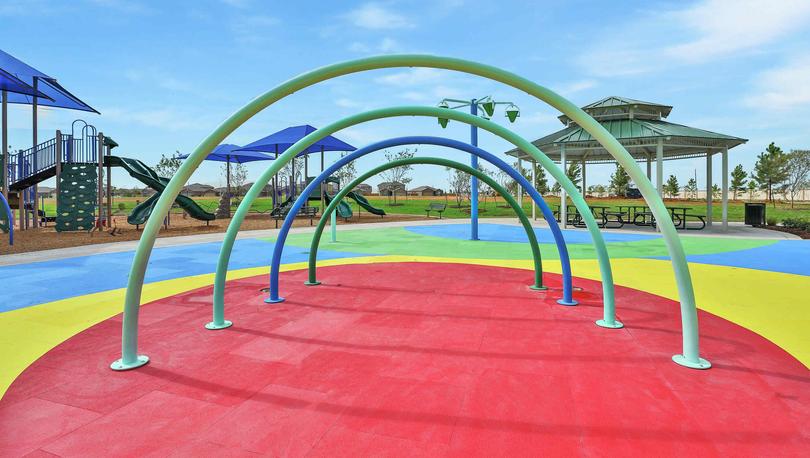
point(771, 221)
point(796, 223)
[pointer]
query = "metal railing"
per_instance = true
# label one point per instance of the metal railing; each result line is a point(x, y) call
point(27, 163)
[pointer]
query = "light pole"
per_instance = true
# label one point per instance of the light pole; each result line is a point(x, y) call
point(487, 105)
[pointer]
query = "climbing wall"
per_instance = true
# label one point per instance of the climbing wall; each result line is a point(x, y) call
point(77, 197)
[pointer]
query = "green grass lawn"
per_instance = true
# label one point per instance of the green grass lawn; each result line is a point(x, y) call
point(488, 208)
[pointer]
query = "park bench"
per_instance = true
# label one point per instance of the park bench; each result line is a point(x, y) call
point(437, 207)
point(305, 212)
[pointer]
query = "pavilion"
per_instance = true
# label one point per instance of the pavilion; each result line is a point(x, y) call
point(640, 127)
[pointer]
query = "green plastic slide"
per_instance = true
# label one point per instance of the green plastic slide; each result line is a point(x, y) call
point(149, 177)
point(344, 210)
point(363, 202)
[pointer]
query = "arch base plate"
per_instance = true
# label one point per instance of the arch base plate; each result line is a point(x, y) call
point(615, 325)
point(212, 326)
point(701, 364)
point(119, 365)
point(270, 300)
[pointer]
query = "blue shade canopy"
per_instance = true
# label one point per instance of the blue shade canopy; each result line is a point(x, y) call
point(11, 83)
point(57, 96)
point(230, 153)
point(285, 138)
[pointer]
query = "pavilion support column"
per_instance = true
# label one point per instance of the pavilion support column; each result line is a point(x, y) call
point(649, 168)
point(584, 179)
point(708, 189)
point(520, 188)
point(534, 184)
point(563, 206)
point(724, 169)
point(659, 167)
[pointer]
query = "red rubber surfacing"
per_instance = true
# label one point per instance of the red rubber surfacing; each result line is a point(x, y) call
point(410, 359)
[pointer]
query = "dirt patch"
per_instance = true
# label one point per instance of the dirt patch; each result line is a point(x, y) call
point(46, 238)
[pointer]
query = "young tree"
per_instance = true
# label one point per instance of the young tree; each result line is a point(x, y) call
point(691, 189)
point(505, 181)
point(672, 188)
point(286, 172)
point(752, 188)
point(738, 180)
point(460, 185)
point(574, 173)
point(771, 169)
point(798, 168)
point(715, 191)
point(540, 179)
point(512, 185)
point(619, 181)
point(167, 165)
point(556, 189)
point(347, 173)
point(598, 190)
point(398, 175)
point(238, 177)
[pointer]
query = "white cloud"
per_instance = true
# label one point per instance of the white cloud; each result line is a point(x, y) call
point(347, 103)
point(386, 45)
point(166, 118)
point(569, 89)
point(706, 30)
point(412, 77)
point(724, 27)
point(376, 17)
point(782, 88)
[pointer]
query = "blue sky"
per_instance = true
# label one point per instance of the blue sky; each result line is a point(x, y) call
point(165, 74)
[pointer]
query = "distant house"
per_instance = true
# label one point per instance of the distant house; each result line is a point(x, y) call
point(267, 191)
point(45, 191)
point(425, 191)
point(388, 188)
point(199, 190)
point(146, 191)
point(363, 189)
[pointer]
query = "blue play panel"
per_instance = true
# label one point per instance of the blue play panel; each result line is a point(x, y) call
point(516, 234)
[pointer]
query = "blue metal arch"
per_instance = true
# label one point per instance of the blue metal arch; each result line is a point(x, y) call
point(565, 261)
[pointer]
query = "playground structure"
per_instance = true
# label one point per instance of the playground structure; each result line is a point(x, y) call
point(81, 163)
point(690, 356)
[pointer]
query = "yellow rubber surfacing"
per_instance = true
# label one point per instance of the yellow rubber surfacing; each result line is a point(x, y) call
point(772, 312)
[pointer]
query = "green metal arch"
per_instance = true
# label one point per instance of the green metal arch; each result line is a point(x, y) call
point(130, 359)
point(313, 250)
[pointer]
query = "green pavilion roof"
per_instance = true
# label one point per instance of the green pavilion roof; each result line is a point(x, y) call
point(639, 126)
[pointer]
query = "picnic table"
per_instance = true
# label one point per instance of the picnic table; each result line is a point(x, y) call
point(640, 215)
point(598, 211)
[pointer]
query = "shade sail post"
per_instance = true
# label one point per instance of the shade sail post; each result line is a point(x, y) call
point(4, 159)
point(659, 167)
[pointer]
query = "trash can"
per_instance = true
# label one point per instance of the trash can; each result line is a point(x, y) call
point(755, 214)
